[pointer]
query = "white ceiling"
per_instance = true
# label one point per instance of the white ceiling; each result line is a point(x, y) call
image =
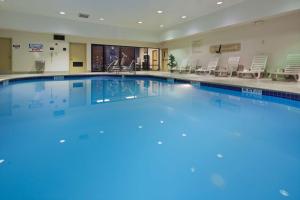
point(122, 13)
point(121, 16)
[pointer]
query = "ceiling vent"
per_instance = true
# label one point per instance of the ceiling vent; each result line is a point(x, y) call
point(82, 15)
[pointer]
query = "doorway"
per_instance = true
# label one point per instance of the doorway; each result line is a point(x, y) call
point(5, 56)
point(165, 60)
point(77, 58)
point(155, 60)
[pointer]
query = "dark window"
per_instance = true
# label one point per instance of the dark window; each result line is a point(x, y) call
point(97, 58)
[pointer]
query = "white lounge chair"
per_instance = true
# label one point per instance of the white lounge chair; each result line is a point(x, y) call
point(292, 68)
point(193, 65)
point(182, 68)
point(211, 67)
point(185, 66)
point(257, 69)
point(232, 67)
point(113, 66)
point(129, 68)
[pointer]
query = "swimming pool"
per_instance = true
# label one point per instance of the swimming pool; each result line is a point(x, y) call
point(139, 138)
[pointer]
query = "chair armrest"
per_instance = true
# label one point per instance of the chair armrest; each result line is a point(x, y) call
point(280, 70)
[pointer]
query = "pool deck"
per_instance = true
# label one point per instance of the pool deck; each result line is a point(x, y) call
point(266, 84)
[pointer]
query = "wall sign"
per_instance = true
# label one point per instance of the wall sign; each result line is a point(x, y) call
point(36, 47)
point(224, 48)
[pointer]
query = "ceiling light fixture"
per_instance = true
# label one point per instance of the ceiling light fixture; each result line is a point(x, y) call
point(140, 22)
point(183, 17)
point(159, 12)
point(219, 2)
point(101, 19)
point(62, 13)
point(161, 26)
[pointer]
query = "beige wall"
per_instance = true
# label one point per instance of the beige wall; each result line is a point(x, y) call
point(24, 61)
point(275, 37)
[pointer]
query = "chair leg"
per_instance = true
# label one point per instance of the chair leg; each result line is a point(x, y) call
point(258, 75)
point(274, 77)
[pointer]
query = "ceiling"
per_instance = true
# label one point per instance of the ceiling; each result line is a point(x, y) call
point(121, 17)
point(122, 13)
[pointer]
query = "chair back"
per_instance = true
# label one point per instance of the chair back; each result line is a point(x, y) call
point(293, 63)
point(259, 63)
point(233, 63)
point(213, 64)
point(192, 64)
point(183, 64)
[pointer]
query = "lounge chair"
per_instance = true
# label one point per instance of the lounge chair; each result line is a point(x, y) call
point(182, 68)
point(292, 68)
point(113, 66)
point(192, 66)
point(232, 67)
point(211, 67)
point(257, 69)
point(129, 68)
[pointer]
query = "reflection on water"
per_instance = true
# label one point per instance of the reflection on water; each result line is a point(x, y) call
point(121, 90)
point(78, 93)
point(59, 96)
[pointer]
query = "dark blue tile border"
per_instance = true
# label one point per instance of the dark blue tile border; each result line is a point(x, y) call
point(285, 95)
point(227, 87)
point(265, 92)
point(16, 80)
point(181, 81)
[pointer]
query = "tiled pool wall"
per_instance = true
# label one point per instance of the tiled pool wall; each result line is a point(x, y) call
point(242, 89)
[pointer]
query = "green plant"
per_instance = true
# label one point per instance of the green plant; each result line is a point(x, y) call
point(172, 62)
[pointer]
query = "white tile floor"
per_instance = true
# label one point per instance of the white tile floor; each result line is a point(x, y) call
point(293, 87)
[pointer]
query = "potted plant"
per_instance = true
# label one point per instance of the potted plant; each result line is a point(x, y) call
point(172, 62)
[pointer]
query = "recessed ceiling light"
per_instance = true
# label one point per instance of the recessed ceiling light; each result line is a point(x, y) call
point(161, 26)
point(159, 12)
point(101, 19)
point(62, 13)
point(183, 17)
point(140, 22)
point(220, 2)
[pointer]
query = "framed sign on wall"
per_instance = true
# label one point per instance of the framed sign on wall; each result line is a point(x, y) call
point(34, 47)
point(223, 48)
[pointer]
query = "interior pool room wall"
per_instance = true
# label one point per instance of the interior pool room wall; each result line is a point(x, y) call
point(275, 37)
point(24, 61)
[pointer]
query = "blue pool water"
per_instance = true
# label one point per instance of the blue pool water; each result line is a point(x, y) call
point(108, 138)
